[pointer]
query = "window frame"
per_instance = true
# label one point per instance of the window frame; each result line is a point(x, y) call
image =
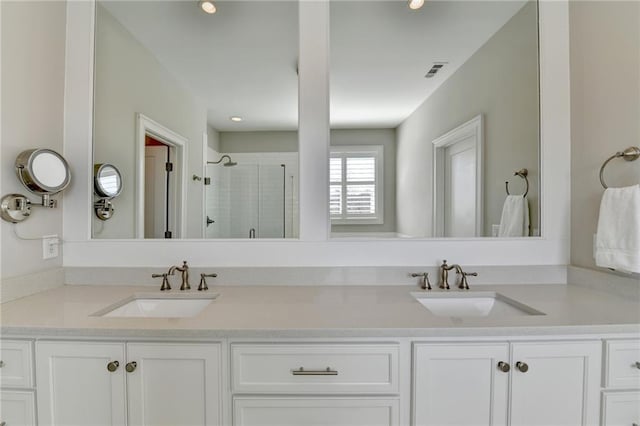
point(344, 152)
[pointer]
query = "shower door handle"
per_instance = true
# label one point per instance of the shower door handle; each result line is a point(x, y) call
point(209, 221)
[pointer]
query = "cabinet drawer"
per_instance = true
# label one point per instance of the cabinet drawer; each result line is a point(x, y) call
point(315, 368)
point(622, 368)
point(17, 364)
point(620, 408)
point(315, 411)
point(18, 408)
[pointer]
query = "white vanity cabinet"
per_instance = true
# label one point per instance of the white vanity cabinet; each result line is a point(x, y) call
point(17, 397)
point(337, 384)
point(521, 383)
point(96, 383)
point(621, 395)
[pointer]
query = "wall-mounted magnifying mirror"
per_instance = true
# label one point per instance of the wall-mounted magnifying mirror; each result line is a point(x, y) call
point(43, 172)
point(107, 184)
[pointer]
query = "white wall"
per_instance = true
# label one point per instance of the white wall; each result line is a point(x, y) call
point(259, 141)
point(33, 53)
point(386, 138)
point(605, 109)
point(500, 82)
point(130, 80)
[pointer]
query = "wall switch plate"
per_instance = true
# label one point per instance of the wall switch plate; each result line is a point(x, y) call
point(50, 246)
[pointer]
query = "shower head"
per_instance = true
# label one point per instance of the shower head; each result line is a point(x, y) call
point(227, 163)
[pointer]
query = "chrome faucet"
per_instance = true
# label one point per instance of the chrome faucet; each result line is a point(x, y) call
point(184, 273)
point(424, 279)
point(444, 275)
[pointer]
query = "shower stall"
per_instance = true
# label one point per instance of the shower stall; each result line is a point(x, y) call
point(252, 196)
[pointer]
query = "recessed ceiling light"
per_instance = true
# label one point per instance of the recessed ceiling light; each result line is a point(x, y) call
point(415, 4)
point(236, 119)
point(207, 6)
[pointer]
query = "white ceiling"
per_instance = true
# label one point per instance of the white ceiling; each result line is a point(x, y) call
point(242, 60)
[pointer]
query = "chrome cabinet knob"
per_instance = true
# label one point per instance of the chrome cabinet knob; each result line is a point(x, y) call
point(504, 367)
point(637, 365)
point(522, 366)
point(112, 366)
point(1, 365)
point(131, 366)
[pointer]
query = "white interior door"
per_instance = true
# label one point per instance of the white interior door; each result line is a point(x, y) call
point(460, 189)
point(156, 198)
point(458, 181)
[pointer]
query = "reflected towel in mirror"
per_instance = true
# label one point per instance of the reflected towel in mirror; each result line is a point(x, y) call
point(618, 237)
point(515, 217)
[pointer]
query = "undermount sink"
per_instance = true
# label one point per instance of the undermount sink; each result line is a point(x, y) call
point(473, 304)
point(158, 306)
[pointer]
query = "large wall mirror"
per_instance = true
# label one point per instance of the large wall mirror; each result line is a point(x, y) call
point(435, 119)
point(199, 112)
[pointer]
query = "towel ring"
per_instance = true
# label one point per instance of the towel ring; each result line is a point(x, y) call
point(630, 154)
point(523, 173)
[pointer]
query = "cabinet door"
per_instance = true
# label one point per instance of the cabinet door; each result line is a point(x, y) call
point(559, 385)
point(336, 411)
point(460, 384)
point(621, 408)
point(174, 384)
point(75, 386)
point(17, 408)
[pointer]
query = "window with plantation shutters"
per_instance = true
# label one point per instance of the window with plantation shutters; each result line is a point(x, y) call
point(355, 184)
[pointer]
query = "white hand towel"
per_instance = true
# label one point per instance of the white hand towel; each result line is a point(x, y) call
point(618, 238)
point(515, 217)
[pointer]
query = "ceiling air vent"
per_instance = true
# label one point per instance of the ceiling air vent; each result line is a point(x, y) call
point(437, 66)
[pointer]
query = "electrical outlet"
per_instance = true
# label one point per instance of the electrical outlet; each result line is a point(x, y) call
point(50, 245)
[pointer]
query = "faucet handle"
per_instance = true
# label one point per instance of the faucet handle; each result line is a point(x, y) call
point(203, 282)
point(165, 281)
point(426, 285)
point(464, 284)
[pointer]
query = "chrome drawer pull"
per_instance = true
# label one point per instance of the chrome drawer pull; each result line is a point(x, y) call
point(303, 372)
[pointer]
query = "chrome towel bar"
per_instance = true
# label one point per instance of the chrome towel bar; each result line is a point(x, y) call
point(630, 154)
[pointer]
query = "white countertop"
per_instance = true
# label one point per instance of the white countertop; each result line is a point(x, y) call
point(310, 312)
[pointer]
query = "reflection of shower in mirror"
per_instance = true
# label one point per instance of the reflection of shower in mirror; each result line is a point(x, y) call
point(255, 199)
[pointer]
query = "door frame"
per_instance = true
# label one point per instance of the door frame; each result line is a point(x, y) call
point(144, 126)
point(472, 128)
